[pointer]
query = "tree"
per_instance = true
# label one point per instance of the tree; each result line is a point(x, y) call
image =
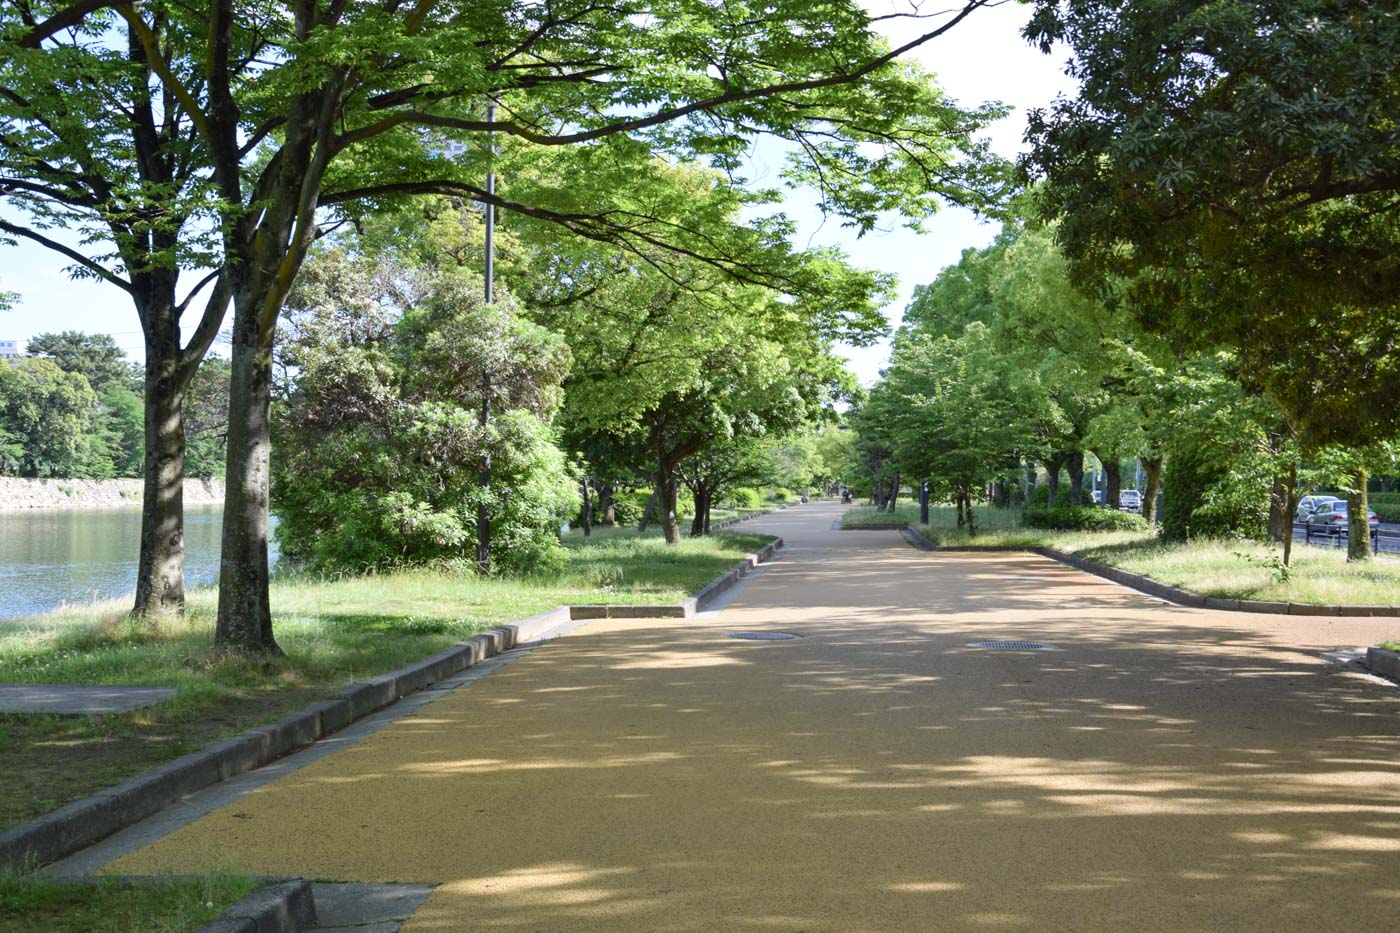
point(959, 415)
point(341, 107)
point(1235, 166)
point(95, 356)
point(94, 141)
point(382, 403)
point(47, 417)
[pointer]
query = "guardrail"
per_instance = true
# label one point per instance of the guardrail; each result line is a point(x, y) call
point(1382, 542)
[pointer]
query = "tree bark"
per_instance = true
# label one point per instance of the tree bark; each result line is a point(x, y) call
point(959, 501)
point(923, 503)
point(1292, 509)
point(1074, 463)
point(1152, 467)
point(1280, 516)
point(697, 521)
point(894, 491)
point(1052, 478)
point(666, 502)
point(244, 621)
point(160, 575)
point(606, 506)
point(648, 512)
point(1113, 483)
point(971, 516)
point(879, 498)
point(587, 513)
point(1358, 518)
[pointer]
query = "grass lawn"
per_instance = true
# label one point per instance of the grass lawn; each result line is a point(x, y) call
point(334, 632)
point(867, 516)
point(33, 904)
point(1228, 569)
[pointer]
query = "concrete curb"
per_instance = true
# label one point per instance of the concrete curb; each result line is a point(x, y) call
point(282, 907)
point(1161, 590)
point(1384, 663)
point(34, 843)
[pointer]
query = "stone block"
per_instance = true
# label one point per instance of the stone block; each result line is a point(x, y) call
point(1383, 662)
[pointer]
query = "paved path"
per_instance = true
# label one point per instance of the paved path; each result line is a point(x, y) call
point(1165, 769)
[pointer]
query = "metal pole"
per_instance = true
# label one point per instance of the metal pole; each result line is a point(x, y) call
point(483, 511)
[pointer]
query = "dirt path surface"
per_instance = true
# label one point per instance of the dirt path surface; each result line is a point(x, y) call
point(1164, 769)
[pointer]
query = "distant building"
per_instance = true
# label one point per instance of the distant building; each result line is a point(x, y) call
point(9, 348)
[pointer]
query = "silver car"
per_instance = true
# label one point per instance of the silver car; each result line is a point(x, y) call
point(1310, 504)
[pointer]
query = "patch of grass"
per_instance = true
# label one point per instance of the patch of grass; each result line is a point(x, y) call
point(35, 904)
point(1228, 569)
point(334, 632)
point(867, 516)
point(1391, 645)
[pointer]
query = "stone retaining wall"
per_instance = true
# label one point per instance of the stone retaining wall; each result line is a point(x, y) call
point(20, 495)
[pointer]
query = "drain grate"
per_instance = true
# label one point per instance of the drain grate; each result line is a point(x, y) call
point(1013, 645)
point(763, 636)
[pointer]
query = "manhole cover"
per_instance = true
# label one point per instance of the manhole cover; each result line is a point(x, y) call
point(1013, 645)
point(763, 636)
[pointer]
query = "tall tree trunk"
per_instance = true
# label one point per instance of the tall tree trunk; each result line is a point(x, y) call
point(709, 502)
point(587, 513)
point(666, 502)
point(971, 516)
point(697, 521)
point(1113, 483)
point(483, 509)
point(605, 505)
point(1292, 510)
point(958, 499)
point(1074, 463)
point(160, 574)
point(923, 503)
point(1052, 478)
point(879, 498)
point(1280, 515)
point(1358, 518)
point(244, 621)
point(1152, 467)
point(894, 490)
point(648, 512)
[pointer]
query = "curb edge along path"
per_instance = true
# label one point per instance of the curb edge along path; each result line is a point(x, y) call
point(73, 827)
point(1151, 587)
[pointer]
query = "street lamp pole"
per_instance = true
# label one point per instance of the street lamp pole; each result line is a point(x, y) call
point(483, 510)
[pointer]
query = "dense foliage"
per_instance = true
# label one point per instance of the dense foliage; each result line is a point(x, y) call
point(72, 408)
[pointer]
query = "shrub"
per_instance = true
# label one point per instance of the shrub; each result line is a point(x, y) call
point(1083, 518)
point(781, 495)
point(744, 497)
point(1386, 505)
point(1040, 497)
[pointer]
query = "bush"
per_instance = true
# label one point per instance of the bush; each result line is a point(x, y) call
point(781, 495)
point(1083, 518)
point(744, 497)
point(1386, 505)
point(1040, 497)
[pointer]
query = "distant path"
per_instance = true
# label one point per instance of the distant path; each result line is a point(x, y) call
point(1164, 769)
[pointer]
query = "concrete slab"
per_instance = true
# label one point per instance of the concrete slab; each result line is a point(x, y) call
point(374, 907)
point(70, 700)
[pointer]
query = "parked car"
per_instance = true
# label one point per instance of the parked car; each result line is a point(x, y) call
point(1331, 519)
point(1130, 500)
point(1310, 504)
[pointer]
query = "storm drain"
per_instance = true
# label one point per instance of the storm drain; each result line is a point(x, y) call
point(1013, 645)
point(763, 636)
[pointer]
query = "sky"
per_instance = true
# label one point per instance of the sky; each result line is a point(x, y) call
point(981, 59)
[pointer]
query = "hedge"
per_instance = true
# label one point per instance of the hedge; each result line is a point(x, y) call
point(1083, 518)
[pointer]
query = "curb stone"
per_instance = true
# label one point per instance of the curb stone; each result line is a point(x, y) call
point(283, 907)
point(34, 843)
point(1383, 662)
point(1162, 590)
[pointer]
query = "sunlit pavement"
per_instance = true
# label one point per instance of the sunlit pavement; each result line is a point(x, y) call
point(1160, 769)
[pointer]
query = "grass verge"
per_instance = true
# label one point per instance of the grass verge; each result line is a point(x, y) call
point(334, 632)
point(1231, 569)
point(34, 904)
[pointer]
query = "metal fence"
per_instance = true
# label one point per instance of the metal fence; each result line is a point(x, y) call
point(1382, 542)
